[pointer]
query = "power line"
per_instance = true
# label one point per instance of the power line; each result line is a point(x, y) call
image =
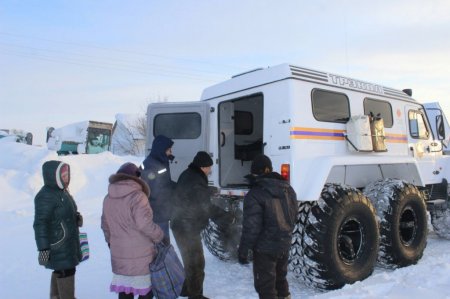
point(236, 68)
point(132, 63)
point(104, 66)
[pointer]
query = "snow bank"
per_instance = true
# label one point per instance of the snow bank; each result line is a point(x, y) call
point(22, 277)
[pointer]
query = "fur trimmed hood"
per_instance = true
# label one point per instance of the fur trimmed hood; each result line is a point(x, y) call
point(119, 177)
point(51, 172)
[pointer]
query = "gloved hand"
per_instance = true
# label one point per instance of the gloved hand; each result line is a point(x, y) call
point(79, 220)
point(243, 257)
point(230, 218)
point(225, 219)
point(166, 240)
point(213, 190)
point(43, 257)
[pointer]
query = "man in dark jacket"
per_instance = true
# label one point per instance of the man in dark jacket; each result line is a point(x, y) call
point(56, 223)
point(191, 212)
point(156, 174)
point(270, 213)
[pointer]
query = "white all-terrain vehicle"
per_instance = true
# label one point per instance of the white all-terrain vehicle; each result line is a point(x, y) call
point(365, 160)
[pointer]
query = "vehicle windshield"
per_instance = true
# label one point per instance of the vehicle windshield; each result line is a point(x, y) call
point(98, 141)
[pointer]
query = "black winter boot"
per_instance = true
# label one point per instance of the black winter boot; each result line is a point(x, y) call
point(148, 296)
point(123, 295)
point(53, 287)
point(66, 287)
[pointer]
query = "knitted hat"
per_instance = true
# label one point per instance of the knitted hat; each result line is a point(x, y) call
point(130, 169)
point(202, 159)
point(260, 163)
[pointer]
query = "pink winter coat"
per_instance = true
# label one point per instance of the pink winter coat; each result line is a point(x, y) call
point(127, 222)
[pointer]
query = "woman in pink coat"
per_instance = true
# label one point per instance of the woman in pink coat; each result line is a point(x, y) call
point(131, 234)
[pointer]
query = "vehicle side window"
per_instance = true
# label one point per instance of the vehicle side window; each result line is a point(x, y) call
point(330, 106)
point(379, 108)
point(417, 125)
point(178, 125)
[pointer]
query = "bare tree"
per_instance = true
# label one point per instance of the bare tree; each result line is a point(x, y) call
point(140, 125)
point(129, 137)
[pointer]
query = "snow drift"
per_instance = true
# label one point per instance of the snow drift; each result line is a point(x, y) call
point(22, 277)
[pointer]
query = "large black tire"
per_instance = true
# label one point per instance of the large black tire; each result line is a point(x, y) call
point(223, 241)
point(403, 221)
point(335, 240)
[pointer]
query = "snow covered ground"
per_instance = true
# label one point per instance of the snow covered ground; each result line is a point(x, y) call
point(22, 277)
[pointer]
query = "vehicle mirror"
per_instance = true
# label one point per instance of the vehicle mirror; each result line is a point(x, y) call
point(440, 127)
point(414, 128)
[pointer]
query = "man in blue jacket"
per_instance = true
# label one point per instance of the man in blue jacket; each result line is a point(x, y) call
point(156, 174)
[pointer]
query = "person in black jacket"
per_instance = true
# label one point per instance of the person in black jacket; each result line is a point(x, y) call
point(191, 212)
point(56, 222)
point(156, 174)
point(270, 213)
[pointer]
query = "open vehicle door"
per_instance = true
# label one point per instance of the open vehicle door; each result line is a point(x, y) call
point(186, 124)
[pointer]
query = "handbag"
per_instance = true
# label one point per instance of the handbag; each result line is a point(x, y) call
point(84, 247)
point(166, 273)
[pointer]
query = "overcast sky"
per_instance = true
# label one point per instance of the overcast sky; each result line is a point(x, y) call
point(69, 61)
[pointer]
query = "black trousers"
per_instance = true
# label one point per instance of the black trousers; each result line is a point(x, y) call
point(191, 249)
point(269, 273)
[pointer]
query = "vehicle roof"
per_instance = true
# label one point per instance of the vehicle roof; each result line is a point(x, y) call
point(263, 76)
